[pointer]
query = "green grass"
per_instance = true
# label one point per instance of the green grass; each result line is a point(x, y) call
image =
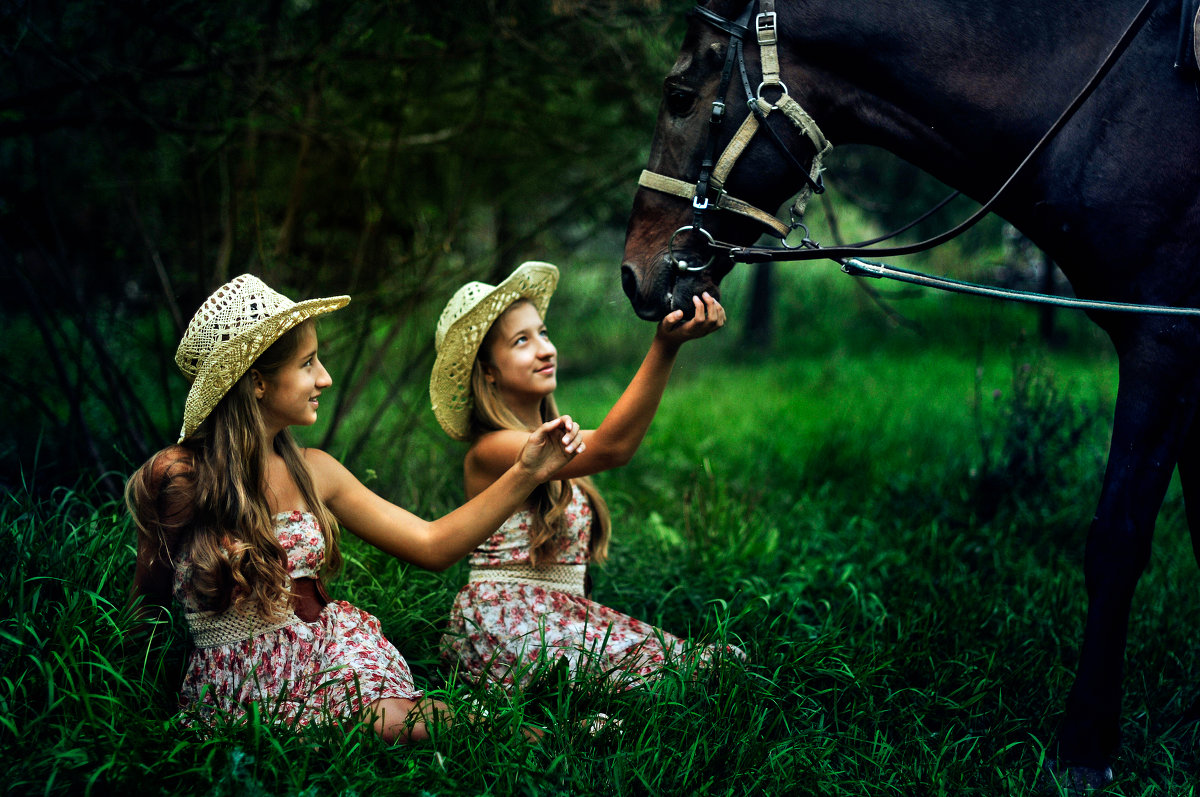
point(890, 523)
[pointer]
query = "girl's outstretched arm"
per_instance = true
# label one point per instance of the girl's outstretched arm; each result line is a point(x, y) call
point(616, 439)
point(437, 544)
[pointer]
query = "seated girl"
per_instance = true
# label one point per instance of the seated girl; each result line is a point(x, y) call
point(525, 605)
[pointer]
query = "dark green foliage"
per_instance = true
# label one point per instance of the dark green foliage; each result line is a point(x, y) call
point(1030, 444)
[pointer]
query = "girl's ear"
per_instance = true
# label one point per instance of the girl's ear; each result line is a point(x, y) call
point(489, 373)
point(260, 386)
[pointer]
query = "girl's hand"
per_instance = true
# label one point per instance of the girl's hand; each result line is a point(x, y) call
point(709, 317)
point(552, 445)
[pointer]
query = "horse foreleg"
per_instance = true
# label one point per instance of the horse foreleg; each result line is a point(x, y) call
point(1189, 481)
point(1154, 409)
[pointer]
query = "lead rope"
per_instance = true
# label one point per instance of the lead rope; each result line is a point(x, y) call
point(865, 268)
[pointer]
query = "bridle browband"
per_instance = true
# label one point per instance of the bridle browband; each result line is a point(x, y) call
point(713, 175)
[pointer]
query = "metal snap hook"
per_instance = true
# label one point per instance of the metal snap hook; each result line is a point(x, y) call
point(681, 265)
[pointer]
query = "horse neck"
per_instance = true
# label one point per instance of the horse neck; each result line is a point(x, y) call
point(945, 83)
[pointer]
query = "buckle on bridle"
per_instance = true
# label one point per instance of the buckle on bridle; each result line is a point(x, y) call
point(764, 27)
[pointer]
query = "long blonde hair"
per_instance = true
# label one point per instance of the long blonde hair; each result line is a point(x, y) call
point(207, 497)
point(549, 499)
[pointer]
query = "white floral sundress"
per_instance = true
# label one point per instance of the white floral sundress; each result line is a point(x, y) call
point(509, 632)
point(325, 671)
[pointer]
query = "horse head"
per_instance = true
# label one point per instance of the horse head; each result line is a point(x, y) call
point(678, 241)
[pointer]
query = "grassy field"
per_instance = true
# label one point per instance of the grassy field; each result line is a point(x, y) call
point(890, 523)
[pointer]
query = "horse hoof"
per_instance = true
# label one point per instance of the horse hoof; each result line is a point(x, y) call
point(1078, 780)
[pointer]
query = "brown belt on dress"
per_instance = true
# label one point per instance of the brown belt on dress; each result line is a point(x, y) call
point(308, 598)
point(555, 577)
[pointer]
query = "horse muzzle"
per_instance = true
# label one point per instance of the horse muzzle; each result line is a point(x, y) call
point(663, 287)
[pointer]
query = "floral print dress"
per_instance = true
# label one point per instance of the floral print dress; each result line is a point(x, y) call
point(508, 632)
point(304, 673)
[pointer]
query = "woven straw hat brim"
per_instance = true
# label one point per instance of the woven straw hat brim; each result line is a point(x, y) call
point(465, 321)
point(229, 361)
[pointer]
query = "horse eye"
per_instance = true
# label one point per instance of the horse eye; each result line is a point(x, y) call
point(679, 101)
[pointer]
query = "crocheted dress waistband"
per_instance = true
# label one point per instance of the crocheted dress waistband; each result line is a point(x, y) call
point(232, 625)
point(556, 577)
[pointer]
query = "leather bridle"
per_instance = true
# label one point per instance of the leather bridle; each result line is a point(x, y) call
point(708, 192)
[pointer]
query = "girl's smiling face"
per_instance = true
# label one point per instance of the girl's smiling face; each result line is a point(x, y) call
point(522, 360)
point(289, 396)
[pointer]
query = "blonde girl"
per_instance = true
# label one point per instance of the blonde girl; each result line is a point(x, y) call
point(239, 526)
point(526, 602)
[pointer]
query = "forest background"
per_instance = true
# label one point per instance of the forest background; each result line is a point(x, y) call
point(881, 494)
point(389, 150)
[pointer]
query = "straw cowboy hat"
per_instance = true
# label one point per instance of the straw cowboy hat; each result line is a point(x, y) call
point(467, 318)
point(228, 333)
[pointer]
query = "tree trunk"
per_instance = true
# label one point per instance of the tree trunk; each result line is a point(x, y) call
point(757, 332)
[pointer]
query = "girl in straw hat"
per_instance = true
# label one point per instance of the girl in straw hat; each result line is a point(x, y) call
point(525, 601)
point(239, 525)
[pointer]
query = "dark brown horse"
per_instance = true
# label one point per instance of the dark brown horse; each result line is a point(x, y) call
point(964, 89)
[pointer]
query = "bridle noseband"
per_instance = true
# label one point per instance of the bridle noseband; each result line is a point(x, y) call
point(708, 190)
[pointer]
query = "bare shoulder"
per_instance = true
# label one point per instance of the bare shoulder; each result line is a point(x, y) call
point(328, 474)
point(497, 449)
point(490, 456)
point(321, 464)
point(315, 457)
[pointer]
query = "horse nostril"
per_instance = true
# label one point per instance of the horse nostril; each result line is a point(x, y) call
point(629, 282)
